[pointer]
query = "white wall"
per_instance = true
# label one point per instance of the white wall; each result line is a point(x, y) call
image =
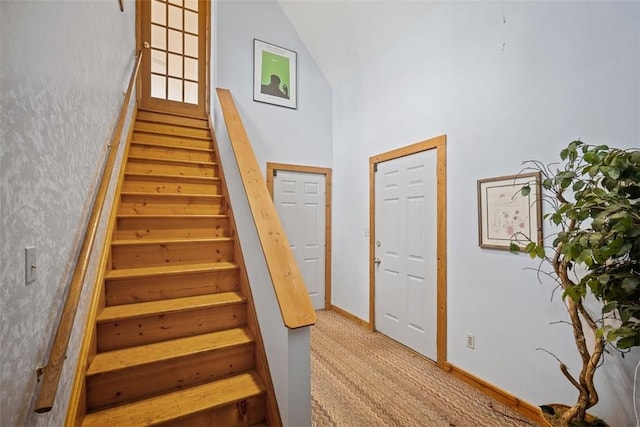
point(65, 65)
point(277, 134)
point(506, 82)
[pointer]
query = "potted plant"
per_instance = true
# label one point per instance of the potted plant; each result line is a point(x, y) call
point(594, 199)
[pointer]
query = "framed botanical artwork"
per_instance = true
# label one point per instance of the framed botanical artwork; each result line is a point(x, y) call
point(274, 75)
point(507, 215)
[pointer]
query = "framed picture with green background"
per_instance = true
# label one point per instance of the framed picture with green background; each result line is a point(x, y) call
point(274, 75)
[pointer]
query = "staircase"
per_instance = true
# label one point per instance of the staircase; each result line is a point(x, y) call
point(175, 340)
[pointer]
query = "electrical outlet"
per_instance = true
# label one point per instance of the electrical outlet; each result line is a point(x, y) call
point(471, 341)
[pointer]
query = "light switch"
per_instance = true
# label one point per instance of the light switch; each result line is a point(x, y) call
point(29, 264)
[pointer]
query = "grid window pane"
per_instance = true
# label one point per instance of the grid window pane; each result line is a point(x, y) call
point(177, 2)
point(158, 62)
point(175, 41)
point(191, 69)
point(175, 90)
point(191, 4)
point(191, 22)
point(158, 37)
point(191, 45)
point(158, 12)
point(175, 17)
point(191, 92)
point(175, 65)
point(158, 87)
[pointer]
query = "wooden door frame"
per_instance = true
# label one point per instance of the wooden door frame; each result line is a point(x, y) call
point(439, 144)
point(207, 49)
point(272, 169)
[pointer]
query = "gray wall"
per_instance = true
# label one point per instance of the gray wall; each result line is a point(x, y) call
point(65, 65)
point(277, 134)
point(506, 82)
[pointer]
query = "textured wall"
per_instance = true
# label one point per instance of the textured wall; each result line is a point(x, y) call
point(64, 66)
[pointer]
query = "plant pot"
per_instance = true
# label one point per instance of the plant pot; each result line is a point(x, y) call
point(552, 412)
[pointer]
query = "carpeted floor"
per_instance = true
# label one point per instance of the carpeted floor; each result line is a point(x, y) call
point(364, 379)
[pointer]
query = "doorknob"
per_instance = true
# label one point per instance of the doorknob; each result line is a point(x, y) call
point(146, 45)
point(377, 261)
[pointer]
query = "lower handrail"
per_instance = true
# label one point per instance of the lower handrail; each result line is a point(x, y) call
point(51, 372)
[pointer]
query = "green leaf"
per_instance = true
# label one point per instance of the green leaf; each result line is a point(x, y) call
point(609, 307)
point(526, 190)
point(514, 248)
point(630, 284)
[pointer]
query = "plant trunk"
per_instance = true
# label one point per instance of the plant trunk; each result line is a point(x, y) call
point(587, 396)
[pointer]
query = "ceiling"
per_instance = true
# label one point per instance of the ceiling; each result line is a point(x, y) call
point(342, 35)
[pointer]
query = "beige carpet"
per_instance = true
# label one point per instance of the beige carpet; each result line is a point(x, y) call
point(363, 378)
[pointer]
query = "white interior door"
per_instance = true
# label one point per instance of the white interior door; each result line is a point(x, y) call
point(406, 244)
point(300, 201)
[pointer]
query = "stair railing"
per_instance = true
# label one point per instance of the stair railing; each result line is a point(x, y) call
point(50, 374)
point(294, 302)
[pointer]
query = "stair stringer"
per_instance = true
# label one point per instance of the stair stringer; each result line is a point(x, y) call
point(262, 365)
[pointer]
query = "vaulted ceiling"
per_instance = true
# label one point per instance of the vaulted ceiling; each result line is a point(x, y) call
point(342, 35)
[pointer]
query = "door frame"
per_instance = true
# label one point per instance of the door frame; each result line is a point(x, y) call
point(206, 108)
point(272, 170)
point(439, 144)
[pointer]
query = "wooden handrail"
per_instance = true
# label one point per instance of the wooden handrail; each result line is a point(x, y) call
point(51, 372)
point(295, 305)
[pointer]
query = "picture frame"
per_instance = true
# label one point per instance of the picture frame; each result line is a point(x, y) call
point(507, 216)
point(274, 75)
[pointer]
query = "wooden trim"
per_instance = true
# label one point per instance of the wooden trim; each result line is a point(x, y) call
point(57, 354)
point(271, 169)
point(295, 305)
point(262, 364)
point(438, 143)
point(528, 410)
point(352, 317)
point(88, 349)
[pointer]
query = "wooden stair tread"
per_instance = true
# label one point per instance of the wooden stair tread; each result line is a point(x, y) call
point(167, 145)
point(142, 242)
point(173, 135)
point(159, 117)
point(150, 308)
point(172, 161)
point(169, 195)
point(162, 351)
point(173, 113)
point(130, 273)
point(178, 404)
point(169, 176)
point(172, 216)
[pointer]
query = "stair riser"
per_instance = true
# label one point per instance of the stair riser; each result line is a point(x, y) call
point(141, 184)
point(171, 253)
point(158, 167)
point(163, 153)
point(149, 116)
point(124, 333)
point(166, 205)
point(173, 130)
point(171, 228)
point(127, 385)
point(171, 141)
point(128, 291)
point(228, 416)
